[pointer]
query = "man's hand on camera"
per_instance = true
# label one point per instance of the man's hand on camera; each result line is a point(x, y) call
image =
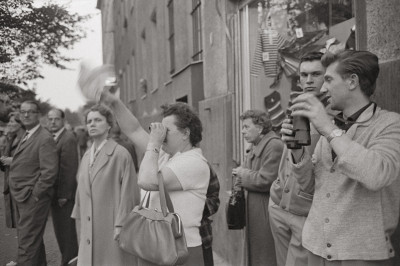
point(309, 106)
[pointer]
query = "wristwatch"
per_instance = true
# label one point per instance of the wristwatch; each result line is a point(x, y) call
point(335, 133)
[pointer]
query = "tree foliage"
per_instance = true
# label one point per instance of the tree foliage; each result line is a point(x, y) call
point(31, 36)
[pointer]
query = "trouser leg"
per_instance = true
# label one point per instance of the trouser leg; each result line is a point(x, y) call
point(297, 254)
point(280, 231)
point(30, 229)
point(65, 230)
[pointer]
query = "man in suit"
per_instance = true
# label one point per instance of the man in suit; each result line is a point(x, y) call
point(33, 172)
point(65, 186)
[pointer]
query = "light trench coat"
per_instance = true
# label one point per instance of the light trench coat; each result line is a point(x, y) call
point(106, 193)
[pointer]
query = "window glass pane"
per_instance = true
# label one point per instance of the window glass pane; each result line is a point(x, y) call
point(276, 33)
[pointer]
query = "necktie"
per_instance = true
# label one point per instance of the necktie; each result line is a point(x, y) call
point(25, 137)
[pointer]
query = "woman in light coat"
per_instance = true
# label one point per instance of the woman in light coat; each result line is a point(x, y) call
point(107, 191)
point(256, 176)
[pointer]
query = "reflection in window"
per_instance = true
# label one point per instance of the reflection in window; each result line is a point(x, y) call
point(287, 29)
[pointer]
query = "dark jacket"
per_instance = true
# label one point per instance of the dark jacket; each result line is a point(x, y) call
point(34, 168)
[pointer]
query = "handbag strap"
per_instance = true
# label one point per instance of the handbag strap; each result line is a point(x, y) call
point(147, 195)
point(165, 200)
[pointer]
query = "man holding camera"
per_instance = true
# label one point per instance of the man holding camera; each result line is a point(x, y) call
point(354, 169)
point(289, 203)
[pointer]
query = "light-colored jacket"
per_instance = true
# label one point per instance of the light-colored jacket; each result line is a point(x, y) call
point(103, 199)
point(357, 196)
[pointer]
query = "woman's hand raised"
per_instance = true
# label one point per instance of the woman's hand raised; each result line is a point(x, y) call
point(158, 132)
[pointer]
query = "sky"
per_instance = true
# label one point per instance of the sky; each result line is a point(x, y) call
point(59, 87)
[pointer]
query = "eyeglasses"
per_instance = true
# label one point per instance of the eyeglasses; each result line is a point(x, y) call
point(28, 112)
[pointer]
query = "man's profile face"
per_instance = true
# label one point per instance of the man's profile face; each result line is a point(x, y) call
point(311, 76)
point(337, 88)
point(5, 107)
point(55, 121)
point(29, 115)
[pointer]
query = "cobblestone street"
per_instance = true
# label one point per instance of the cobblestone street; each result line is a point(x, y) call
point(8, 239)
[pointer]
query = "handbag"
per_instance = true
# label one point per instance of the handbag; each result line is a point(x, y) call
point(236, 210)
point(155, 236)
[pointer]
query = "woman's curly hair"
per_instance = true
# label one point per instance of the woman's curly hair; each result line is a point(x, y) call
point(186, 118)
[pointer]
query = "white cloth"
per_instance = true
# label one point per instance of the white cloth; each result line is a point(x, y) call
point(193, 173)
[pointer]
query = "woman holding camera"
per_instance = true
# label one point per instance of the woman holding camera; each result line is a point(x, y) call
point(256, 175)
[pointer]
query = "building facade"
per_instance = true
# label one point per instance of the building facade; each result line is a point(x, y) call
point(226, 56)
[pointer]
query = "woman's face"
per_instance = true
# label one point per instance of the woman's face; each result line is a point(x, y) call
point(174, 139)
point(13, 126)
point(250, 131)
point(97, 125)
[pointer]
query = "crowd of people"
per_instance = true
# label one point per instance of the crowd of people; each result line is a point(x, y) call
point(335, 201)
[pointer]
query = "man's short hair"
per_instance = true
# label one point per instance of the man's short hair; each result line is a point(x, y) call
point(33, 102)
point(60, 111)
point(311, 56)
point(362, 63)
point(260, 118)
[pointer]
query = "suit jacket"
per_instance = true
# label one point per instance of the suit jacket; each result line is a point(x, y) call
point(34, 168)
point(67, 149)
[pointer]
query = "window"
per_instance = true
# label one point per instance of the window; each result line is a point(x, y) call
point(154, 51)
point(197, 35)
point(132, 95)
point(171, 37)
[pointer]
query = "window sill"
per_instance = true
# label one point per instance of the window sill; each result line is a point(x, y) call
point(153, 91)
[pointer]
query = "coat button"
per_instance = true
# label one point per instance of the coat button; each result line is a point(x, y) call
point(287, 190)
point(88, 218)
point(88, 241)
point(326, 220)
point(328, 195)
point(329, 245)
point(283, 207)
point(329, 257)
point(332, 170)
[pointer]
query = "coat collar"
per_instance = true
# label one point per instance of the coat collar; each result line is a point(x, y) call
point(258, 149)
point(59, 134)
point(365, 119)
point(101, 160)
point(26, 143)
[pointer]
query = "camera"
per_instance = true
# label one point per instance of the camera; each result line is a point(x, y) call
point(301, 126)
